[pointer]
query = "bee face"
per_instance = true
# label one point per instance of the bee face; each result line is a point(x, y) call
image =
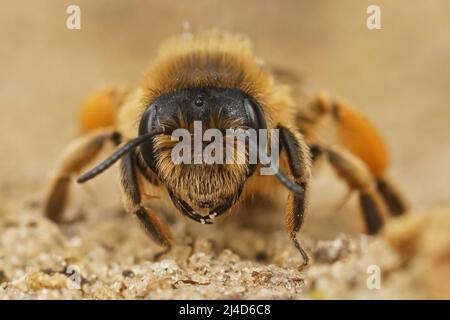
point(212, 187)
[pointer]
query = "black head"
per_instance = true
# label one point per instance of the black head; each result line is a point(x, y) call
point(198, 104)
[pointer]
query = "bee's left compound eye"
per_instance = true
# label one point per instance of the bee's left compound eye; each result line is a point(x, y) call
point(255, 116)
point(257, 121)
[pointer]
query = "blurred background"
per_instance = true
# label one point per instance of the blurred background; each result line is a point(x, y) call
point(398, 76)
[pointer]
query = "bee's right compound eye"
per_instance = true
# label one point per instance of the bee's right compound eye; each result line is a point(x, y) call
point(148, 120)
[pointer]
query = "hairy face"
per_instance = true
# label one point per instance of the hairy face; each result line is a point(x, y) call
point(202, 185)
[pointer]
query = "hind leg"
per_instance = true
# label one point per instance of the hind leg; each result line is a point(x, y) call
point(359, 137)
point(392, 197)
point(358, 177)
point(77, 155)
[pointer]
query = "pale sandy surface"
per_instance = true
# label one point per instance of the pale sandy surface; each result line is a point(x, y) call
point(398, 76)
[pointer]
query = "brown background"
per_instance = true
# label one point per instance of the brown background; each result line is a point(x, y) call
point(399, 76)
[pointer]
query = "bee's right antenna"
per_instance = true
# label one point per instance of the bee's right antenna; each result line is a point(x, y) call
point(288, 183)
point(298, 189)
point(119, 153)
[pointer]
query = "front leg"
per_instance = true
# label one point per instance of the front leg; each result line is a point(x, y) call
point(153, 225)
point(299, 165)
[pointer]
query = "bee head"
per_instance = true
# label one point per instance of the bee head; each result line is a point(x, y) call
point(197, 184)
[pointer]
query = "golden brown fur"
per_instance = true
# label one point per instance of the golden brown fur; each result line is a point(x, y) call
point(219, 59)
point(202, 183)
point(225, 60)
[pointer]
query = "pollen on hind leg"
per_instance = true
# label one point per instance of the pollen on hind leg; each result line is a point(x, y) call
point(100, 109)
point(360, 136)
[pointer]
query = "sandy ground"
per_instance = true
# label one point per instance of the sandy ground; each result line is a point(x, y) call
point(397, 76)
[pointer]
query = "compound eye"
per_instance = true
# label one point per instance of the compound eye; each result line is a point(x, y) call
point(148, 123)
point(257, 121)
point(255, 115)
point(148, 120)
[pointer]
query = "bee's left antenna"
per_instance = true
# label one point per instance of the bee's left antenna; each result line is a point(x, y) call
point(119, 153)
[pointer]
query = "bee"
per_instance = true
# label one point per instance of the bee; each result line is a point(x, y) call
point(215, 78)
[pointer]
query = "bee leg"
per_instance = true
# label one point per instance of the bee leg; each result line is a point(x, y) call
point(78, 154)
point(394, 200)
point(145, 170)
point(359, 136)
point(358, 177)
point(299, 164)
point(315, 152)
point(153, 225)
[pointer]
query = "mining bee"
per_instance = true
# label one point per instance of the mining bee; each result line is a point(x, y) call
point(214, 77)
